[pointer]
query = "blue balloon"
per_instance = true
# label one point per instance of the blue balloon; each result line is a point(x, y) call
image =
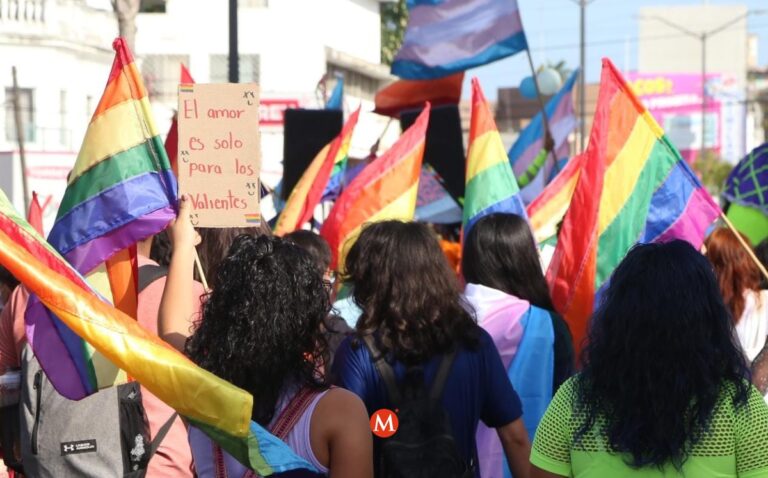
point(528, 88)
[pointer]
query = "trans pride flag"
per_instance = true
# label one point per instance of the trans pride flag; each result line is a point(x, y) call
point(491, 186)
point(633, 187)
point(562, 121)
point(121, 190)
point(447, 36)
point(217, 407)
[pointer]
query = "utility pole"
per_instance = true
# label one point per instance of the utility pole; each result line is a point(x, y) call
point(234, 55)
point(703, 36)
point(20, 139)
point(582, 71)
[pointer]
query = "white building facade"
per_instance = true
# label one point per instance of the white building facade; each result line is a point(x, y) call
point(286, 46)
point(62, 52)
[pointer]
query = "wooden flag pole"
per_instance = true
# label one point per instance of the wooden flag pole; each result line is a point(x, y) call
point(200, 272)
point(745, 245)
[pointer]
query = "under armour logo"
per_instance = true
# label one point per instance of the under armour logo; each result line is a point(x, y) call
point(74, 447)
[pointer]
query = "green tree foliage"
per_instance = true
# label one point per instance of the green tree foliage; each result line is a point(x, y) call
point(712, 171)
point(394, 19)
point(561, 67)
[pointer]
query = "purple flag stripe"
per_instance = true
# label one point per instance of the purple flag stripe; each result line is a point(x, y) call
point(89, 255)
point(692, 225)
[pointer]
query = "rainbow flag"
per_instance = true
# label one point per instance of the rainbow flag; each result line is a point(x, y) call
point(549, 207)
point(217, 407)
point(121, 190)
point(338, 179)
point(386, 189)
point(491, 185)
point(331, 160)
point(634, 187)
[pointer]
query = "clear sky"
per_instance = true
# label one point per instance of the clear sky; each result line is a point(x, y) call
point(552, 27)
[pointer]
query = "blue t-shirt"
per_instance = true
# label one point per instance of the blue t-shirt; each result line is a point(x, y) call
point(477, 387)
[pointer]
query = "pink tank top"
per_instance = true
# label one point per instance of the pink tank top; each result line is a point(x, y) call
point(298, 439)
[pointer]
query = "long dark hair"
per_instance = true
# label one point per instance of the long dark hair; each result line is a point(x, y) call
point(260, 327)
point(215, 242)
point(410, 297)
point(500, 252)
point(661, 349)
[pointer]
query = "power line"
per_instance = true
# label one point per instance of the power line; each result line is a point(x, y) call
point(634, 39)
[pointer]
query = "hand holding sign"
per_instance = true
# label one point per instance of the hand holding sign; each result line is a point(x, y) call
point(219, 149)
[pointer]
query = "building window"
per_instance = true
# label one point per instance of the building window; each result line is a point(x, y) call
point(27, 107)
point(152, 6)
point(161, 76)
point(355, 83)
point(249, 68)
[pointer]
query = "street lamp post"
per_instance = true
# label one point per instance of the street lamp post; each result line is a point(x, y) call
point(233, 59)
point(703, 37)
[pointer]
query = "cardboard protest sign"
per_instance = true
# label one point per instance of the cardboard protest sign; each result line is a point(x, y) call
point(219, 153)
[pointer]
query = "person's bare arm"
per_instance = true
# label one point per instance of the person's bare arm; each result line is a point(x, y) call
point(177, 307)
point(537, 472)
point(517, 447)
point(341, 435)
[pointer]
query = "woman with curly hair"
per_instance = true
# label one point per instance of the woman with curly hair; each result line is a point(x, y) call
point(739, 279)
point(415, 331)
point(508, 292)
point(664, 389)
point(261, 330)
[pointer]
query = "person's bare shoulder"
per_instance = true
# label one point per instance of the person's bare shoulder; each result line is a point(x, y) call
point(343, 404)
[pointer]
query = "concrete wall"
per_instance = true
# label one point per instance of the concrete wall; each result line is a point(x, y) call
point(726, 50)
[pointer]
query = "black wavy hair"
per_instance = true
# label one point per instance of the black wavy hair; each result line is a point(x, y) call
point(661, 348)
point(216, 242)
point(161, 249)
point(410, 298)
point(260, 326)
point(313, 243)
point(500, 252)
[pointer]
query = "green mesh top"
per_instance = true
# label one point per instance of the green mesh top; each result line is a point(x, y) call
point(735, 446)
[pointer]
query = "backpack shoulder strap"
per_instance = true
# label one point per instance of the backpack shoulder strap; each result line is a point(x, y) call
point(149, 273)
point(442, 375)
point(385, 371)
point(160, 436)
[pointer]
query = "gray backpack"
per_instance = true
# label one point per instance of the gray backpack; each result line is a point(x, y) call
point(103, 435)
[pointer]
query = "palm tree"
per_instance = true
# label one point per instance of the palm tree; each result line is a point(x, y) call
point(126, 11)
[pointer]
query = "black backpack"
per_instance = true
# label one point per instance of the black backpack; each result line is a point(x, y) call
point(423, 446)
